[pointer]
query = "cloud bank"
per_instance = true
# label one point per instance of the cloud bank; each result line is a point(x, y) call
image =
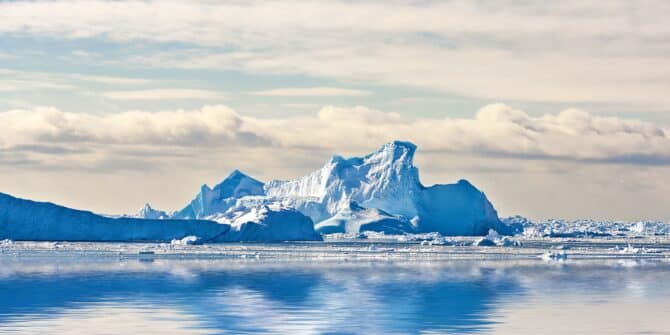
point(575, 51)
point(496, 131)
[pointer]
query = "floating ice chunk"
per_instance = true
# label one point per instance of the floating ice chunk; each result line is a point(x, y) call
point(492, 235)
point(632, 250)
point(554, 256)
point(188, 240)
point(6, 243)
point(508, 242)
point(485, 242)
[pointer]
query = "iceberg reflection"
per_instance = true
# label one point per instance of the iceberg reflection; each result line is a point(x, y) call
point(221, 296)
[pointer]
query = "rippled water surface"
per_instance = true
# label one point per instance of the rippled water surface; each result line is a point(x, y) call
point(103, 295)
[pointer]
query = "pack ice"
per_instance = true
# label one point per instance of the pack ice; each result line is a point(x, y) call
point(378, 192)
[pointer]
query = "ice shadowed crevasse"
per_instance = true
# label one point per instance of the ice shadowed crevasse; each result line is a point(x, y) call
point(377, 192)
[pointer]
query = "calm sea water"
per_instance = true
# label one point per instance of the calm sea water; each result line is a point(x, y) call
point(111, 296)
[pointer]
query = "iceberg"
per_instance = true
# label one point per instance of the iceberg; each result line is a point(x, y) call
point(387, 180)
point(383, 186)
point(22, 219)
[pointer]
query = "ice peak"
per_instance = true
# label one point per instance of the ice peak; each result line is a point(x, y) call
point(218, 198)
point(395, 151)
point(148, 212)
point(235, 178)
point(400, 144)
point(236, 174)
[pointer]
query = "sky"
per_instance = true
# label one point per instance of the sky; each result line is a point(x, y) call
point(553, 109)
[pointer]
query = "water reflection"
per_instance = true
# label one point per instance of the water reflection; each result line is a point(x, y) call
point(224, 296)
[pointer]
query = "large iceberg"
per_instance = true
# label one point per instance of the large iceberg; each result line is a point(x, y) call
point(41, 221)
point(379, 192)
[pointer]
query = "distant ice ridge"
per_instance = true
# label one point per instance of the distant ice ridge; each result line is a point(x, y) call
point(586, 227)
point(378, 192)
point(147, 212)
point(221, 197)
point(41, 221)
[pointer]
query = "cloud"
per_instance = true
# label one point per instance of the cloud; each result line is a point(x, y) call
point(109, 80)
point(211, 125)
point(572, 51)
point(15, 80)
point(313, 92)
point(498, 131)
point(165, 94)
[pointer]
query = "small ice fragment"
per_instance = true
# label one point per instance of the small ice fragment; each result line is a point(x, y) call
point(485, 242)
point(554, 256)
point(188, 240)
point(632, 250)
point(508, 242)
